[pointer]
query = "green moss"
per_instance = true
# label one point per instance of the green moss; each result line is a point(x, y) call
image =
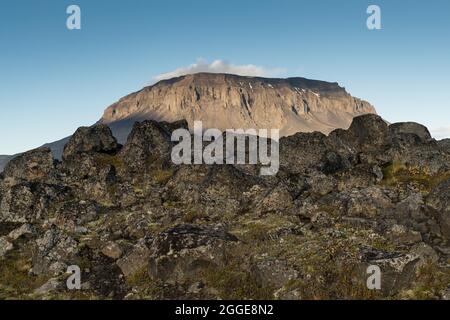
point(15, 282)
point(431, 280)
point(234, 283)
point(146, 287)
point(398, 173)
point(254, 228)
point(139, 278)
point(332, 282)
point(161, 176)
point(193, 216)
point(331, 210)
point(110, 160)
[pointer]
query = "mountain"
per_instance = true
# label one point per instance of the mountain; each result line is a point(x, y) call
point(141, 227)
point(226, 101)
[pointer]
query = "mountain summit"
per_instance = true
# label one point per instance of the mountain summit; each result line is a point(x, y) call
point(227, 101)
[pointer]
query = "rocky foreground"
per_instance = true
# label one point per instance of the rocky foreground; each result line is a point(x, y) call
point(140, 227)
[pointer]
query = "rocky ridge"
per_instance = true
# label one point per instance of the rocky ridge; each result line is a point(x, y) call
point(141, 227)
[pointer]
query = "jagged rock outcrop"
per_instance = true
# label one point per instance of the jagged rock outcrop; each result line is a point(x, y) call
point(149, 141)
point(140, 226)
point(34, 165)
point(445, 145)
point(410, 128)
point(95, 139)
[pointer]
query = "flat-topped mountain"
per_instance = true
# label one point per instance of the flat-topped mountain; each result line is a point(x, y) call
point(226, 101)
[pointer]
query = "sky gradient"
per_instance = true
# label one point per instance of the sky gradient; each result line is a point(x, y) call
point(53, 80)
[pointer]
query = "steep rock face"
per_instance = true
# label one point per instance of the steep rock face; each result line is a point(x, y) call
point(226, 101)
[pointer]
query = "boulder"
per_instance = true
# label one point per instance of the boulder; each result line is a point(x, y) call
point(34, 165)
point(54, 251)
point(112, 250)
point(135, 261)
point(212, 190)
point(410, 128)
point(445, 145)
point(184, 250)
point(149, 142)
point(72, 215)
point(273, 272)
point(96, 139)
point(30, 202)
point(302, 152)
point(369, 132)
point(50, 286)
point(439, 200)
point(25, 229)
point(397, 269)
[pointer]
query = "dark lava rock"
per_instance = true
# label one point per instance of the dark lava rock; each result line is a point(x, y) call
point(369, 132)
point(34, 165)
point(148, 142)
point(97, 138)
point(445, 145)
point(140, 226)
point(439, 200)
point(406, 128)
point(188, 236)
point(31, 202)
point(184, 250)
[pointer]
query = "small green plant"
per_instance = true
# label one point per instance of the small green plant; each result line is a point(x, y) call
point(161, 176)
point(15, 281)
point(110, 160)
point(398, 173)
point(234, 283)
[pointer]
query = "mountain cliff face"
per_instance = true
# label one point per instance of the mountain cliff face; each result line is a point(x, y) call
point(227, 101)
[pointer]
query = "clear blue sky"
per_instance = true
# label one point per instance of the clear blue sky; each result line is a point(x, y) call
point(53, 80)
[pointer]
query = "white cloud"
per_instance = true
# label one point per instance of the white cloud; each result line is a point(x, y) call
point(220, 66)
point(441, 133)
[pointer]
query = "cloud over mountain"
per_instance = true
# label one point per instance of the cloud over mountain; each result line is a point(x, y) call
point(221, 66)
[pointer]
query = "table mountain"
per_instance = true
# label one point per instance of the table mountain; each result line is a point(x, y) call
point(226, 101)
